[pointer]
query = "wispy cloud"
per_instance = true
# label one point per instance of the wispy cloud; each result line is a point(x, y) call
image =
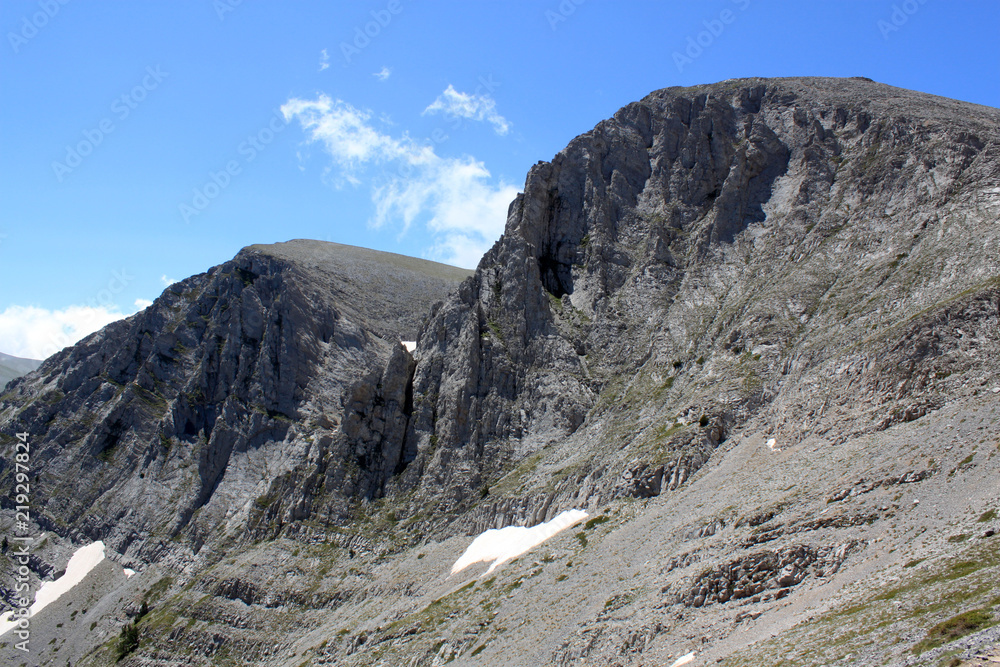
point(382, 74)
point(473, 107)
point(455, 198)
point(37, 333)
point(143, 303)
point(324, 60)
point(167, 282)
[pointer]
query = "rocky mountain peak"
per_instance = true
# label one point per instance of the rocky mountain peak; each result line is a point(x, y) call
point(750, 328)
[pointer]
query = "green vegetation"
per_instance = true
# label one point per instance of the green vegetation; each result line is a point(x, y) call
point(988, 515)
point(954, 628)
point(157, 590)
point(128, 640)
point(596, 521)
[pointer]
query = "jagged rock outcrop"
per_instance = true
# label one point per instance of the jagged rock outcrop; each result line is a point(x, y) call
point(180, 419)
point(770, 249)
point(758, 312)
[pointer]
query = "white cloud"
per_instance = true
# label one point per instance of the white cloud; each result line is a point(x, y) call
point(465, 212)
point(37, 333)
point(167, 282)
point(474, 107)
point(349, 138)
point(455, 198)
point(382, 74)
point(143, 303)
point(324, 60)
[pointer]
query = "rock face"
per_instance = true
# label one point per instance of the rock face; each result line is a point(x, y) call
point(807, 263)
point(174, 423)
point(789, 250)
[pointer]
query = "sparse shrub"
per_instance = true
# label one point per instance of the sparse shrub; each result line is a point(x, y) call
point(128, 641)
point(988, 515)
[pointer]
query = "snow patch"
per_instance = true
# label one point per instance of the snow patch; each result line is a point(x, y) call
point(410, 345)
point(683, 660)
point(771, 445)
point(129, 572)
point(504, 544)
point(80, 564)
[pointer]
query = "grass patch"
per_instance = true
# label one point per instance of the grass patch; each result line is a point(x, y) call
point(915, 562)
point(596, 521)
point(988, 515)
point(954, 628)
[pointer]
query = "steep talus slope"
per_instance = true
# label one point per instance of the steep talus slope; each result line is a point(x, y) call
point(157, 433)
point(752, 327)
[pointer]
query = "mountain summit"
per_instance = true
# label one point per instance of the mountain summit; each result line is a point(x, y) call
point(750, 328)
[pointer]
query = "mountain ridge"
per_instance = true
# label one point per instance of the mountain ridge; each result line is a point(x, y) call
point(707, 319)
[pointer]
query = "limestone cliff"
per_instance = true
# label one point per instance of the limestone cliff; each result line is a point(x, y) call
point(751, 327)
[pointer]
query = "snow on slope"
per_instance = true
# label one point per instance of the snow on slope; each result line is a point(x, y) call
point(80, 564)
point(504, 544)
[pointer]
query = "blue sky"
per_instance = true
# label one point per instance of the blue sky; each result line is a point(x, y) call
point(144, 142)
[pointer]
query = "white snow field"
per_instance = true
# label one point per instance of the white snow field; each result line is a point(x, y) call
point(683, 660)
point(82, 562)
point(410, 345)
point(503, 544)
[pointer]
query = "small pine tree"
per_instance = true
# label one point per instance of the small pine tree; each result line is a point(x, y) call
point(128, 641)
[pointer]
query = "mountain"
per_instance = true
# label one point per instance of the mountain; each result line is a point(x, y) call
point(751, 328)
point(14, 367)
